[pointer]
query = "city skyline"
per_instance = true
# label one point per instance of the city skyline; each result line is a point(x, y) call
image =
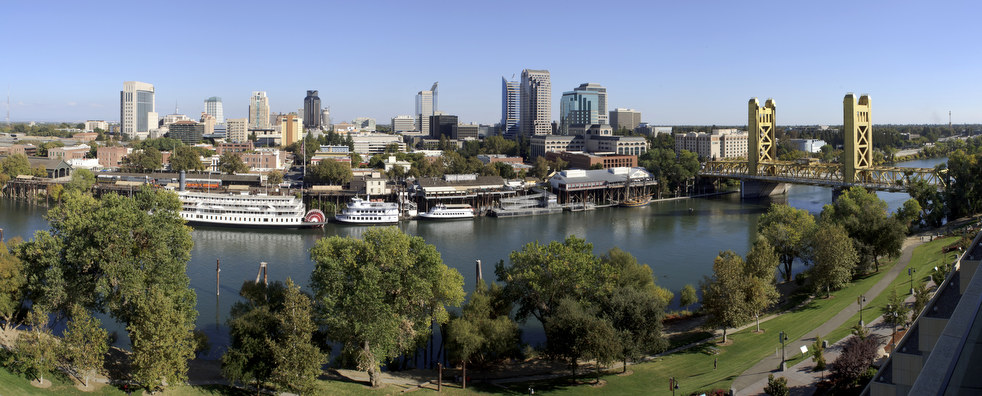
point(679, 64)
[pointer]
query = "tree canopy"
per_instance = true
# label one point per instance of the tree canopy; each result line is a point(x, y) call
point(331, 172)
point(378, 295)
point(231, 163)
point(787, 229)
point(864, 216)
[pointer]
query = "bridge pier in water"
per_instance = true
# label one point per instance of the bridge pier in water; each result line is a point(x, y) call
point(752, 189)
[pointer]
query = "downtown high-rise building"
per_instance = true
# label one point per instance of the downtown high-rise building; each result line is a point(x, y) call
point(403, 123)
point(326, 119)
point(311, 110)
point(237, 130)
point(137, 109)
point(625, 119)
point(259, 110)
point(536, 103)
point(583, 106)
point(425, 107)
point(510, 108)
point(213, 106)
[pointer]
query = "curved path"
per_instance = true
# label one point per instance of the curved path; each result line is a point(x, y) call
point(750, 381)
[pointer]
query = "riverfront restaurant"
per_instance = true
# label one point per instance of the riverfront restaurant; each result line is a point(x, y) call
point(602, 187)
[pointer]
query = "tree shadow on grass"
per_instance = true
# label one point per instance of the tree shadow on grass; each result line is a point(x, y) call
point(224, 390)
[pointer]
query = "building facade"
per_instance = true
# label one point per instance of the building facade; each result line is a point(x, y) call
point(584, 105)
point(425, 107)
point(259, 110)
point(290, 129)
point(625, 119)
point(721, 143)
point(365, 124)
point(237, 130)
point(111, 157)
point(213, 106)
point(325, 118)
point(312, 110)
point(403, 123)
point(535, 106)
point(375, 143)
point(510, 108)
point(92, 125)
point(591, 161)
point(188, 132)
point(443, 125)
point(68, 152)
point(137, 109)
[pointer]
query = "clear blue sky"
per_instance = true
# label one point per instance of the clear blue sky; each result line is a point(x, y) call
point(679, 62)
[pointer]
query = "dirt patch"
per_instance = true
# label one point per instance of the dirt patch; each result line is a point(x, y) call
point(41, 384)
point(598, 384)
point(727, 343)
point(93, 386)
point(625, 373)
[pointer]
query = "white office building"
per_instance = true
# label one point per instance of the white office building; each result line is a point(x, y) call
point(137, 109)
point(213, 107)
point(536, 103)
point(259, 110)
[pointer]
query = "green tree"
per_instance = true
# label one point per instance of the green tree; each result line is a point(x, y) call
point(777, 386)
point(377, 296)
point(930, 200)
point(688, 296)
point(464, 338)
point(230, 163)
point(833, 258)
point(865, 218)
point(12, 281)
point(297, 362)
point(37, 348)
point(636, 319)
point(818, 353)
point(723, 294)
point(14, 165)
point(84, 344)
point(540, 168)
point(787, 230)
point(274, 178)
point(896, 312)
point(82, 180)
point(54, 191)
point(577, 331)
point(163, 344)
point(922, 295)
point(249, 357)
point(146, 160)
point(963, 195)
point(909, 214)
point(484, 333)
point(183, 158)
point(540, 275)
point(331, 172)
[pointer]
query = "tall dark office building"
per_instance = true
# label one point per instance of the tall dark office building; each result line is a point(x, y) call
point(443, 125)
point(311, 111)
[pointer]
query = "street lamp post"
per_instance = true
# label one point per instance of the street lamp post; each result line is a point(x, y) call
point(861, 300)
point(674, 385)
point(783, 338)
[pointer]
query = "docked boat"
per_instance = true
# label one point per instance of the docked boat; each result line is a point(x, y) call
point(636, 202)
point(247, 210)
point(448, 212)
point(360, 211)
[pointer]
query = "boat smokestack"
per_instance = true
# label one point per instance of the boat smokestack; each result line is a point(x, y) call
point(182, 181)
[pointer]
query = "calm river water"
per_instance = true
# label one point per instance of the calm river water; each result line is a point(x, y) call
point(678, 245)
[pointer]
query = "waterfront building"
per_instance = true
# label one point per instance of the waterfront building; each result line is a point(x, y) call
point(188, 132)
point(365, 124)
point(111, 157)
point(311, 110)
point(259, 110)
point(510, 108)
point(625, 119)
point(535, 108)
point(92, 125)
point(403, 123)
point(237, 130)
point(213, 106)
point(290, 129)
point(137, 109)
point(443, 125)
point(602, 186)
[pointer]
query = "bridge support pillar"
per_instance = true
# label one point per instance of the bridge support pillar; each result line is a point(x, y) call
point(752, 189)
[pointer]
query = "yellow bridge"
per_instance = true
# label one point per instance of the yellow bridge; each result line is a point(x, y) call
point(856, 169)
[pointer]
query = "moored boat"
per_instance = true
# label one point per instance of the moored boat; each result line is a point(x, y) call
point(360, 211)
point(448, 212)
point(636, 202)
point(247, 210)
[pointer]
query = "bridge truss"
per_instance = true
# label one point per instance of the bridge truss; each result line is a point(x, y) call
point(881, 178)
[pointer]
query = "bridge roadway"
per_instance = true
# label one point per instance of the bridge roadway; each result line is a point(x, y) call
point(822, 174)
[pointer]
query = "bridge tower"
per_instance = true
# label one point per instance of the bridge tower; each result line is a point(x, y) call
point(858, 130)
point(761, 144)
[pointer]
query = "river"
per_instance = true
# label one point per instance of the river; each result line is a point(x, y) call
point(677, 243)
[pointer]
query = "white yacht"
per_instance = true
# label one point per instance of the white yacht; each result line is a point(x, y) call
point(360, 211)
point(448, 212)
point(245, 210)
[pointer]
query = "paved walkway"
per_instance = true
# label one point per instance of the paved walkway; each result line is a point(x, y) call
point(749, 382)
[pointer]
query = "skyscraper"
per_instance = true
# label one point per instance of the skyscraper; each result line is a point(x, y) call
point(536, 103)
point(326, 118)
point(137, 113)
point(311, 110)
point(213, 106)
point(584, 105)
point(290, 130)
point(509, 108)
point(425, 107)
point(237, 130)
point(259, 110)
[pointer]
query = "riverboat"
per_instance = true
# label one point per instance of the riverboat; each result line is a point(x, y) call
point(636, 202)
point(247, 210)
point(360, 211)
point(448, 212)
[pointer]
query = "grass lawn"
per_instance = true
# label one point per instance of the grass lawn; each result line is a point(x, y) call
point(16, 385)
